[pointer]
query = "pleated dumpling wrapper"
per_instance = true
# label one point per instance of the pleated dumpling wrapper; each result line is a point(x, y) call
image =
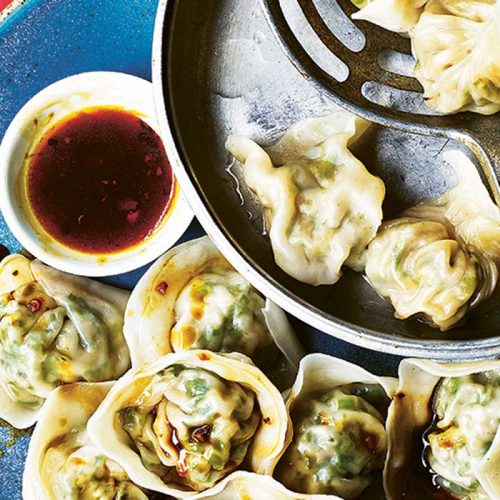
point(394, 15)
point(184, 422)
point(338, 412)
point(55, 328)
point(244, 485)
point(62, 462)
point(455, 43)
point(321, 205)
point(467, 207)
point(446, 416)
point(439, 259)
point(192, 298)
point(457, 47)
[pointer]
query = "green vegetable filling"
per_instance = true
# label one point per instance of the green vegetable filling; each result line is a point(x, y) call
point(73, 469)
point(339, 441)
point(467, 418)
point(194, 428)
point(220, 312)
point(44, 344)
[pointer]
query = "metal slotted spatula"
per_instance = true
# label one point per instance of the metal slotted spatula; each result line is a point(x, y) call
point(367, 70)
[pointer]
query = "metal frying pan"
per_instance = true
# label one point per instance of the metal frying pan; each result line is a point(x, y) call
point(217, 70)
point(370, 90)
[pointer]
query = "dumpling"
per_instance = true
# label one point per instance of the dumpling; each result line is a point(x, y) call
point(322, 207)
point(338, 413)
point(467, 207)
point(468, 416)
point(192, 298)
point(55, 328)
point(455, 44)
point(421, 268)
point(449, 415)
point(438, 260)
point(457, 47)
point(394, 15)
point(186, 421)
point(62, 461)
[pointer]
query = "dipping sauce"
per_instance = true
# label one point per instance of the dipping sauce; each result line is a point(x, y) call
point(99, 181)
point(4, 251)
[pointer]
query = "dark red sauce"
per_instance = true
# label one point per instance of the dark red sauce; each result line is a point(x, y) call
point(202, 434)
point(4, 251)
point(416, 480)
point(100, 181)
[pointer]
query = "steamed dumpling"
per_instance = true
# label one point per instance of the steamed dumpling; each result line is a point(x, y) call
point(62, 461)
point(448, 416)
point(192, 298)
point(467, 207)
point(183, 423)
point(468, 418)
point(457, 47)
point(339, 442)
point(338, 412)
point(214, 422)
point(438, 259)
point(394, 15)
point(75, 467)
point(322, 207)
point(421, 268)
point(220, 312)
point(54, 329)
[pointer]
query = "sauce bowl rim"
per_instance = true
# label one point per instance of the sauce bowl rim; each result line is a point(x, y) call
point(176, 220)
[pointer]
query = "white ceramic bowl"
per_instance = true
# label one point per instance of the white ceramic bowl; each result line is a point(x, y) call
point(38, 116)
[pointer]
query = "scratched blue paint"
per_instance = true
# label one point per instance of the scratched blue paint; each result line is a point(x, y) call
point(46, 40)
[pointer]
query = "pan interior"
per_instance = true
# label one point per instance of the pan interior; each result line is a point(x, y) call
point(223, 73)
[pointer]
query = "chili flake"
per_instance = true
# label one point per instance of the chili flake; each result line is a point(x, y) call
point(162, 287)
point(202, 434)
point(34, 305)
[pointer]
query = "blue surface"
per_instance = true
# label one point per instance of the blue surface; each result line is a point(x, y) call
point(47, 40)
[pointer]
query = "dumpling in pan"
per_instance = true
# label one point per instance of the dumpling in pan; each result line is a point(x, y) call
point(55, 328)
point(448, 417)
point(394, 15)
point(437, 260)
point(186, 421)
point(338, 412)
point(192, 298)
point(62, 461)
point(467, 207)
point(456, 44)
point(322, 207)
point(421, 268)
